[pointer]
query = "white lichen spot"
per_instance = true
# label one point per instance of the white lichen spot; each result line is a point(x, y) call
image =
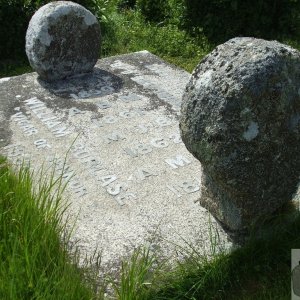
point(4, 79)
point(204, 80)
point(89, 19)
point(44, 37)
point(252, 131)
point(63, 10)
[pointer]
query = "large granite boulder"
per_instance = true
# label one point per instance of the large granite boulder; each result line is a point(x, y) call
point(240, 117)
point(62, 39)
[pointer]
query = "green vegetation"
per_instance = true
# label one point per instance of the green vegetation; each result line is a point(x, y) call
point(137, 274)
point(35, 262)
point(129, 32)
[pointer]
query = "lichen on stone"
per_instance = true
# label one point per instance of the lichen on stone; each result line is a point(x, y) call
point(243, 98)
point(62, 39)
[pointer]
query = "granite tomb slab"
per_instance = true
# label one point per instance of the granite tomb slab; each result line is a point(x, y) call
point(131, 180)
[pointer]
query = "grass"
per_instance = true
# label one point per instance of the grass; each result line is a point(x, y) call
point(136, 276)
point(35, 263)
point(128, 32)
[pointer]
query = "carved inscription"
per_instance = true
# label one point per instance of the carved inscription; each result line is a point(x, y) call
point(184, 187)
point(162, 94)
point(116, 124)
point(88, 160)
point(24, 123)
point(178, 161)
point(109, 181)
point(41, 144)
point(129, 98)
point(14, 150)
point(142, 149)
point(17, 153)
point(46, 116)
point(68, 175)
point(75, 111)
point(114, 137)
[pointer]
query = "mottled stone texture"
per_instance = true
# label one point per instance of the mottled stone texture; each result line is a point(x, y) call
point(240, 117)
point(63, 39)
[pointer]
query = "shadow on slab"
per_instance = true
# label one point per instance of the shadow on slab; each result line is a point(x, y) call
point(88, 85)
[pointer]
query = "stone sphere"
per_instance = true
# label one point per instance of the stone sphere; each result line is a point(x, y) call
point(240, 117)
point(62, 39)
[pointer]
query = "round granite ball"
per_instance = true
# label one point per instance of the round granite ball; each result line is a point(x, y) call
point(240, 117)
point(63, 38)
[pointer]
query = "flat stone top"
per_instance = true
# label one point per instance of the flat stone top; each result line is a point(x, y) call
point(131, 180)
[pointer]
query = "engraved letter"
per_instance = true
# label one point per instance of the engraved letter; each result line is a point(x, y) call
point(115, 190)
point(33, 101)
point(189, 187)
point(75, 111)
point(144, 149)
point(126, 114)
point(163, 121)
point(114, 136)
point(109, 119)
point(68, 175)
point(78, 188)
point(143, 173)
point(108, 179)
point(51, 124)
point(120, 199)
point(132, 153)
point(178, 161)
point(61, 131)
point(41, 143)
point(159, 143)
point(104, 105)
point(18, 116)
point(81, 155)
point(30, 131)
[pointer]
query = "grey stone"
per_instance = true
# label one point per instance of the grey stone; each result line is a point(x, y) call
point(240, 117)
point(115, 138)
point(62, 39)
